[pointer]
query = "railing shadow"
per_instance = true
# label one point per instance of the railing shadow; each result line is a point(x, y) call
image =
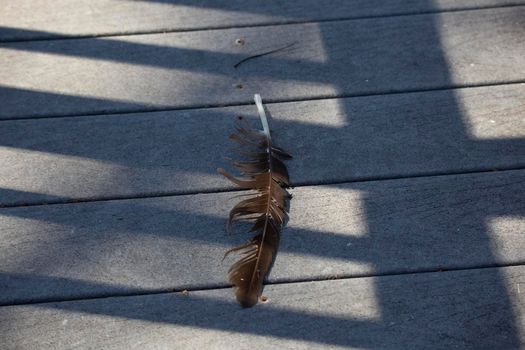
point(392, 242)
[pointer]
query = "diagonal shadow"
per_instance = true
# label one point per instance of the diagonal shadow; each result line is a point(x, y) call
point(453, 316)
point(451, 211)
point(17, 96)
point(412, 116)
point(121, 154)
point(157, 55)
point(37, 197)
point(226, 14)
point(377, 231)
point(374, 55)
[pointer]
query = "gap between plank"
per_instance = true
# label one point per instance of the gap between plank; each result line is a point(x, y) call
point(56, 37)
point(267, 101)
point(283, 281)
point(328, 182)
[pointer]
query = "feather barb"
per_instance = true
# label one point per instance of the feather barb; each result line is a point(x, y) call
point(263, 171)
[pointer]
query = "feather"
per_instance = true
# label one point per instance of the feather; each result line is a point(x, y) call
point(263, 171)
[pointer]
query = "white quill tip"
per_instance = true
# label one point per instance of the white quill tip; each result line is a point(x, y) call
point(262, 113)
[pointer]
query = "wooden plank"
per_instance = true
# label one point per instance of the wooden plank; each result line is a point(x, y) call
point(342, 58)
point(473, 309)
point(64, 159)
point(129, 246)
point(39, 19)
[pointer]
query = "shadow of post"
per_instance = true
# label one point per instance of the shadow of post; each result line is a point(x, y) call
point(393, 304)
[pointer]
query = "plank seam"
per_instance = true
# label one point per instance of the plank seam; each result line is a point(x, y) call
point(255, 25)
point(328, 182)
point(393, 273)
point(267, 101)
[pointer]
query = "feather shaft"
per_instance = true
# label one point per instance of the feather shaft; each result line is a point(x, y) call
point(264, 172)
point(262, 115)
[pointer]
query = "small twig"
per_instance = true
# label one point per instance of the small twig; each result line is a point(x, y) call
point(263, 54)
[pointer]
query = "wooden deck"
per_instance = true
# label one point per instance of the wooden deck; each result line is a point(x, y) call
point(406, 120)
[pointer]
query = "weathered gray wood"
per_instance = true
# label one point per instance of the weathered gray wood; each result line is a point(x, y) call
point(146, 72)
point(461, 130)
point(100, 248)
point(474, 309)
point(37, 19)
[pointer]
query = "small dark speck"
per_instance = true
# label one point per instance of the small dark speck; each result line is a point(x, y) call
point(240, 41)
point(239, 86)
point(264, 299)
point(239, 117)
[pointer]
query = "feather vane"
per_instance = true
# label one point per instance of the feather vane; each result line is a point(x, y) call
point(263, 171)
